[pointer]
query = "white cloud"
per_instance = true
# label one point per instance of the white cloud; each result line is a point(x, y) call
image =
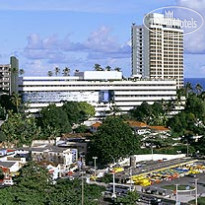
point(100, 44)
point(195, 42)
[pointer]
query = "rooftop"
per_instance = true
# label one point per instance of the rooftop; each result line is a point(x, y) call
point(136, 123)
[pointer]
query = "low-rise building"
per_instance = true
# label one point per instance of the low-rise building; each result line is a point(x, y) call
point(65, 157)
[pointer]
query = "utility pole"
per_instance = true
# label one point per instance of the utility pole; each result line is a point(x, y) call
point(130, 178)
point(113, 177)
point(187, 148)
point(177, 194)
point(196, 191)
point(82, 189)
point(95, 167)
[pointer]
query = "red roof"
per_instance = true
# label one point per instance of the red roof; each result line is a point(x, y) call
point(136, 123)
point(96, 125)
point(159, 128)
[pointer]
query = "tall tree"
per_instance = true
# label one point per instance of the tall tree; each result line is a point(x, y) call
point(66, 71)
point(16, 101)
point(21, 71)
point(57, 70)
point(108, 68)
point(78, 111)
point(118, 69)
point(114, 139)
point(198, 88)
point(97, 67)
point(54, 120)
point(188, 88)
point(50, 73)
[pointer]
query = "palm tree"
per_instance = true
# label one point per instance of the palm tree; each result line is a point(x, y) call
point(117, 69)
point(97, 67)
point(203, 95)
point(14, 70)
point(198, 88)
point(16, 101)
point(188, 88)
point(21, 71)
point(50, 73)
point(180, 93)
point(66, 71)
point(57, 70)
point(108, 68)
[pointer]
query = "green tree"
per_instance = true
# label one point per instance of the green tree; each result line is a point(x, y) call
point(66, 71)
point(50, 73)
point(16, 101)
point(118, 69)
point(108, 68)
point(57, 70)
point(188, 88)
point(130, 199)
point(114, 139)
point(20, 130)
point(78, 111)
point(82, 129)
point(97, 67)
point(198, 88)
point(2, 113)
point(54, 119)
point(21, 71)
point(142, 113)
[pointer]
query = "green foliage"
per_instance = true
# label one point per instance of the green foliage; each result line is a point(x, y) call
point(78, 111)
point(2, 137)
point(54, 120)
point(130, 199)
point(82, 129)
point(5, 102)
point(187, 122)
point(114, 139)
point(20, 130)
point(107, 178)
point(150, 114)
point(2, 113)
point(34, 186)
point(1, 174)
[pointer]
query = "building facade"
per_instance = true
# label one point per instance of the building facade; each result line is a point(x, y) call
point(9, 77)
point(157, 48)
point(103, 94)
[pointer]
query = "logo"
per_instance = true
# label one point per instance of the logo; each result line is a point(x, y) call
point(173, 19)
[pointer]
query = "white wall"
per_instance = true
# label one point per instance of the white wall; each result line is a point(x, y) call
point(156, 157)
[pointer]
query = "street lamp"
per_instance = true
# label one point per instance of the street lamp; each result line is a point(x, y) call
point(196, 192)
point(177, 194)
point(113, 174)
point(95, 167)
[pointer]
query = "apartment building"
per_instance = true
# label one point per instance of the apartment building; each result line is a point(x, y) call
point(9, 77)
point(157, 48)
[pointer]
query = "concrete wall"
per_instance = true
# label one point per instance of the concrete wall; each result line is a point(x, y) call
point(156, 157)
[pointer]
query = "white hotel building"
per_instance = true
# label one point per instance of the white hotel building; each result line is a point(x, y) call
point(102, 89)
point(157, 48)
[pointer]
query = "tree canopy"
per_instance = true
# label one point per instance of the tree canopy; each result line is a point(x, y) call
point(78, 111)
point(34, 186)
point(54, 119)
point(114, 139)
point(150, 114)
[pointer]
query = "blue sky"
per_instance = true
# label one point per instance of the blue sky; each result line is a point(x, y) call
point(79, 33)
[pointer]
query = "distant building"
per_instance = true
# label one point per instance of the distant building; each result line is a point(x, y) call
point(103, 91)
point(9, 77)
point(64, 157)
point(157, 48)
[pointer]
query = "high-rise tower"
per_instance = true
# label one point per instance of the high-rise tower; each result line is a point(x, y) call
point(157, 48)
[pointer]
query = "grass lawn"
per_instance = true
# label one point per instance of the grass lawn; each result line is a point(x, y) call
point(201, 201)
point(173, 187)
